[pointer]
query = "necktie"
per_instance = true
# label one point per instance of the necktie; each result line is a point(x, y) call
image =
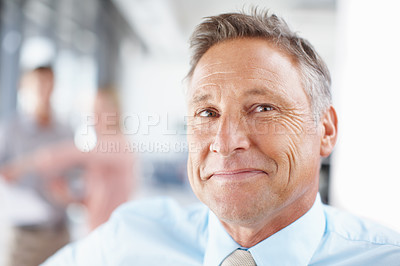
point(239, 258)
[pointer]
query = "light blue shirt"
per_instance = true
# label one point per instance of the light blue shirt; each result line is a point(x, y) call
point(160, 232)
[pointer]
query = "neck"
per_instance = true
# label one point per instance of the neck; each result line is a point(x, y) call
point(249, 234)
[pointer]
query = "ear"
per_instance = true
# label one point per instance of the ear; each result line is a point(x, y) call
point(329, 131)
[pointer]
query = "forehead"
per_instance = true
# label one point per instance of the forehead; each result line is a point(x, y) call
point(240, 63)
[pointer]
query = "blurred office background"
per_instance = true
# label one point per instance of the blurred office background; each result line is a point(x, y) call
point(140, 47)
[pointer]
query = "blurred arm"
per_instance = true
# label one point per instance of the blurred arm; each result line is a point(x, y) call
point(48, 161)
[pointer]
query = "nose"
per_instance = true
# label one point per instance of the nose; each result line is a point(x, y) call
point(231, 137)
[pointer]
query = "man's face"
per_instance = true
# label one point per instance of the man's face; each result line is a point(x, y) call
point(255, 148)
point(44, 86)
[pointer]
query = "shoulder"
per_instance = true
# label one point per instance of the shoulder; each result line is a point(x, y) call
point(160, 216)
point(160, 229)
point(354, 228)
point(353, 239)
point(145, 232)
point(160, 209)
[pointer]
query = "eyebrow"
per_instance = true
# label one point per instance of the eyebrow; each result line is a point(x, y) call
point(200, 98)
point(204, 97)
point(256, 91)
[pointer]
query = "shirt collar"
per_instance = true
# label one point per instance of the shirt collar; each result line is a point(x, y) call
point(220, 243)
point(293, 245)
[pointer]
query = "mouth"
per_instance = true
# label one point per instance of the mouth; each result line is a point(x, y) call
point(236, 175)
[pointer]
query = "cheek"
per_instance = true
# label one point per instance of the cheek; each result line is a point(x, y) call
point(298, 155)
point(198, 145)
point(200, 134)
point(201, 125)
point(193, 167)
point(190, 169)
point(193, 176)
point(285, 141)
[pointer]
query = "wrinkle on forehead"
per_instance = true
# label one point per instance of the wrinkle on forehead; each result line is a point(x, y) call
point(207, 76)
point(266, 87)
point(210, 70)
point(221, 72)
point(201, 93)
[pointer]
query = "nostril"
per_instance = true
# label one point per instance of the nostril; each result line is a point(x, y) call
point(215, 147)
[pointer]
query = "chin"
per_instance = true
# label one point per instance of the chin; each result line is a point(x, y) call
point(239, 216)
point(241, 210)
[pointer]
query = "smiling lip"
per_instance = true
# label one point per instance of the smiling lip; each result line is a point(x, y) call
point(236, 175)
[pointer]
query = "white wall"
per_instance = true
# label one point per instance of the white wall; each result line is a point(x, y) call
point(366, 178)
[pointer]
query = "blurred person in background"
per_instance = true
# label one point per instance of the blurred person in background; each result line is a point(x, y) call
point(37, 218)
point(107, 170)
point(109, 176)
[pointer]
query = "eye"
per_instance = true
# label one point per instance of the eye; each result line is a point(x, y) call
point(208, 113)
point(264, 108)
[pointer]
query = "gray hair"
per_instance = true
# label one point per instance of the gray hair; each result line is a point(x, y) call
point(314, 73)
